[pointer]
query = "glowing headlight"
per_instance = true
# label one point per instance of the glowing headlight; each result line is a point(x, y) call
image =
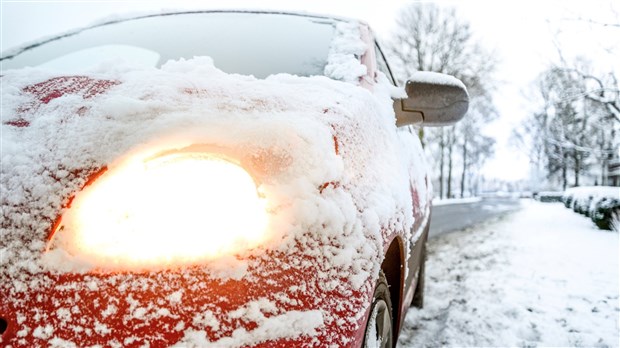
point(175, 209)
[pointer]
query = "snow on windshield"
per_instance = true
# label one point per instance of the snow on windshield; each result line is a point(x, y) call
point(258, 44)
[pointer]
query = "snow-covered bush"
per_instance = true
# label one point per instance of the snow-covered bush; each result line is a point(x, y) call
point(567, 199)
point(606, 214)
point(549, 196)
point(600, 203)
point(582, 204)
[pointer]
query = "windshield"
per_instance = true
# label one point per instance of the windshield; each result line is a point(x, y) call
point(259, 44)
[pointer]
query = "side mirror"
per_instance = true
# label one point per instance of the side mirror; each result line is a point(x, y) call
point(433, 99)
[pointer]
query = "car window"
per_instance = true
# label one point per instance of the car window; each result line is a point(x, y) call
point(239, 42)
point(382, 64)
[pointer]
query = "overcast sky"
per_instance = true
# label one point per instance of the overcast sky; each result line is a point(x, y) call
point(523, 34)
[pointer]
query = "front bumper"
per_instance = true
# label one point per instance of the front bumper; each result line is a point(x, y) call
point(283, 300)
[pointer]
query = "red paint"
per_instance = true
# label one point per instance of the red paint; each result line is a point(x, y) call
point(335, 138)
point(328, 184)
point(56, 87)
point(336, 144)
point(19, 123)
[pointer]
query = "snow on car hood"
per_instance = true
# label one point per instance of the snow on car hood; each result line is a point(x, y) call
point(333, 163)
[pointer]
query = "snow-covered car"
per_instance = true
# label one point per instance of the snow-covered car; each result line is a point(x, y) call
point(221, 178)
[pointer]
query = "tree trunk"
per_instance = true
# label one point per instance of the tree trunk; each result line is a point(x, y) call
point(421, 136)
point(464, 167)
point(450, 169)
point(604, 158)
point(564, 178)
point(442, 146)
point(604, 172)
point(577, 168)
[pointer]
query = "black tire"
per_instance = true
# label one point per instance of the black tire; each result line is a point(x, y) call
point(382, 327)
point(418, 295)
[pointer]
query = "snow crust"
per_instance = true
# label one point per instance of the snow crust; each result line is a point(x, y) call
point(173, 118)
point(345, 51)
point(330, 163)
point(437, 79)
point(288, 325)
point(542, 277)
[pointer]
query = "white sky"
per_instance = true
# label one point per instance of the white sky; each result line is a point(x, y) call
point(521, 33)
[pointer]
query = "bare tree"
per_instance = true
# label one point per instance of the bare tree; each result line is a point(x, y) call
point(433, 38)
point(576, 126)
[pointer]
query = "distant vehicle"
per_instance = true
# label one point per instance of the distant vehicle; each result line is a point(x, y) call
point(150, 198)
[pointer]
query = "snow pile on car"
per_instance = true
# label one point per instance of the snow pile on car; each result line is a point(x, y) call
point(330, 162)
point(346, 48)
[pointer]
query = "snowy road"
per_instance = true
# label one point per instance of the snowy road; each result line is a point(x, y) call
point(451, 217)
point(542, 276)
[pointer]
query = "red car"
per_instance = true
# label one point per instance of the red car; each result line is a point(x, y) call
point(213, 178)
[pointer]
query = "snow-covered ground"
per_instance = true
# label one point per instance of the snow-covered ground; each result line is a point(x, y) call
point(437, 201)
point(543, 276)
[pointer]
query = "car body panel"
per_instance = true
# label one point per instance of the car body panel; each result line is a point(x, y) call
point(309, 284)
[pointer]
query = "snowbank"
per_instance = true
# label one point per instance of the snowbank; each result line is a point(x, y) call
point(438, 201)
point(600, 203)
point(541, 277)
point(594, 192)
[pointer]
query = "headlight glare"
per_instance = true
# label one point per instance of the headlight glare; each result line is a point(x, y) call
point(174, 209)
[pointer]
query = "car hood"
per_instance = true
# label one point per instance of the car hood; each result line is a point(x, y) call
point(325, 154)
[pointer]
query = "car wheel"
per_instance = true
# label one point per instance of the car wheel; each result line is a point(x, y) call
point(380, 325)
